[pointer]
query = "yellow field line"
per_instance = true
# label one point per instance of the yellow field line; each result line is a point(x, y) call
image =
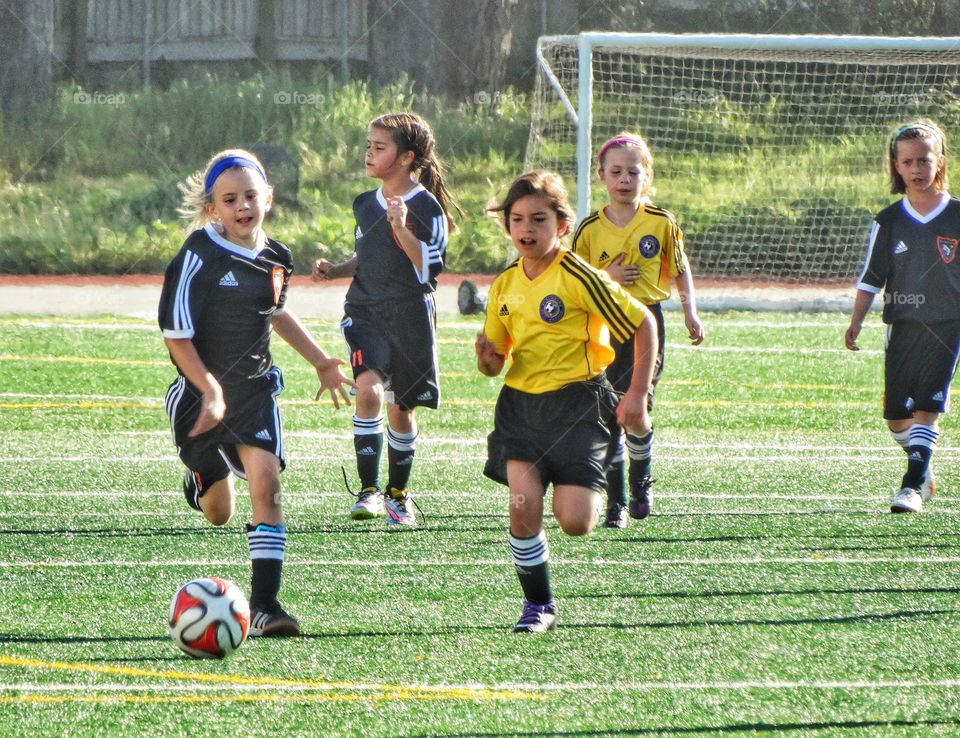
point(380, 691)
point(84, 360)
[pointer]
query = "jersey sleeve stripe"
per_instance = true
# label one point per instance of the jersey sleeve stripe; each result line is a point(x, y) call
point(613, 314)
point(862, 284)
point(586, 221)
point(182, 319)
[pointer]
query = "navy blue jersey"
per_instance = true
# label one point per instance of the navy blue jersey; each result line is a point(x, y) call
point(912, 258)
point(384, 271)
point(222, 297)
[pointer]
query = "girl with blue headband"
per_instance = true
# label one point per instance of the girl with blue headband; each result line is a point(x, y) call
point(223, 294)
point(911, 258)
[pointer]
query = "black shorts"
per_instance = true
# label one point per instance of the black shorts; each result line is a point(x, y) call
point(919, 364)
point(620, 371)
point(399, 341)
point(252, 419)
point(565, 433)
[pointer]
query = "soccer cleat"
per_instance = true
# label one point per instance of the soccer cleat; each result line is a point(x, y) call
point(369, 504)
point(399, 506)
point(616, 516)
point(929, 487)
point(906, 501)
point(536, 618)
point(191, 490)
point(641, 499)
point(272, 622)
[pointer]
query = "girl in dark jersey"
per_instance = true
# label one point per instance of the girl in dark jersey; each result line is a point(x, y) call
point(389, 318)
point(911, 257)
point(223, 294)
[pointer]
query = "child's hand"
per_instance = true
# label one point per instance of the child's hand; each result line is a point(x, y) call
point(212, 410)
point(489, 362)
point(396, 213)
point(632, 413)
point(483, 347)
point(321, 268)
point(850, 337)
point(625, 274)
point(694, 329)
point(333, 380)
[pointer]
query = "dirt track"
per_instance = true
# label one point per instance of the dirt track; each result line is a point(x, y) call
point(137, 296)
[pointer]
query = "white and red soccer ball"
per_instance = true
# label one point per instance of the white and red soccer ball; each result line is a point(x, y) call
point(209, 618)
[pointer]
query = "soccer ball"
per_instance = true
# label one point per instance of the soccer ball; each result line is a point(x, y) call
point(209, 618)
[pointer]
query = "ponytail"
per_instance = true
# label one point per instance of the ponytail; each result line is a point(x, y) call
point(410, 132)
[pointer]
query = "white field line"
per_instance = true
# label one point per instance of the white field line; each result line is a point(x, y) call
point(810, 560)
point(772, 684)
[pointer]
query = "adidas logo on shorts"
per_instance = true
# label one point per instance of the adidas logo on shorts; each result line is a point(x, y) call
point(228, 280)
point(423, 396)
point(263, 435)
point(937, 397)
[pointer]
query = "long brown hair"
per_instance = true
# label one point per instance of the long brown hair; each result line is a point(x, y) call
point(410, 132)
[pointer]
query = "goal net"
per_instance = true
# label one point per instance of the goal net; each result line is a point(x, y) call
point(770, 150)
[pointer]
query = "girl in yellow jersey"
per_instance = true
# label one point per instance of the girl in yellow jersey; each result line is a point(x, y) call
point(641, 247)
point(553, 313)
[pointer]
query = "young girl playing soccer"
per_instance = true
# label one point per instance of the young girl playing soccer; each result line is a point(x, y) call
point(222, 295)
point(550, 312)
point(390, 313)
point(641, 247)
point(911, 256)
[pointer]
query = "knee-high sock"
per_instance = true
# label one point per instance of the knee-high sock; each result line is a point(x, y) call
point(530, 558)
point(368, 445)
point(923, 439)
point(267, 544)
point(640, 450)
point(400, 450)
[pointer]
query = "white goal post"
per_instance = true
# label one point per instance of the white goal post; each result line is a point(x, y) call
point(769, 149)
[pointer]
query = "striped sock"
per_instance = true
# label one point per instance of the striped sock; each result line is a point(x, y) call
point(640, 451)
point(400, 450)
point(923, 439)
point(368, 445)
point(530, 558)
point(267, 545)
point(902, 438)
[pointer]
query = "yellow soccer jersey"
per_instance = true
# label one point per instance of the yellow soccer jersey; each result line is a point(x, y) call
point(652, 241)
point(557, 327)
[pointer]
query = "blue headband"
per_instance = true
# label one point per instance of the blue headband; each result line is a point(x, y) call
point(229, 162)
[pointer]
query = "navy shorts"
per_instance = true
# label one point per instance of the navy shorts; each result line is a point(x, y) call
point(919, 364)
point(399, 341)
point(252, 419)
point(565, 433)
point(620, 371)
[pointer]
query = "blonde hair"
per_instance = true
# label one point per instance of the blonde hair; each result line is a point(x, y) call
point(410, 132)
point(194, 192)
point(545, 183)
point(627, 140)
point(928, 131)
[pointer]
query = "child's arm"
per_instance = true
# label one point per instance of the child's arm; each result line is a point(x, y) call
point(212, 406)
point(291, 330)
point(861, 305)
point(688, 299)
point(323, 269)
point(489, 362)
point(632, 410)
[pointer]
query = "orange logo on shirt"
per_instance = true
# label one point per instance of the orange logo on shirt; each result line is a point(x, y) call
point(278, 276)
point(947, 248)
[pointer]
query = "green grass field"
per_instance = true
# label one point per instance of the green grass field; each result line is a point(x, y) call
point(770, 594)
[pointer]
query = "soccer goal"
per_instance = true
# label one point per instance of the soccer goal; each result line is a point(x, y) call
point(770, 149)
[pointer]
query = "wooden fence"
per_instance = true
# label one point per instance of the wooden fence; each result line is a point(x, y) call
point(93, 32)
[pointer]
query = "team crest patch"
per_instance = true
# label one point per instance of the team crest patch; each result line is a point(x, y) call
point(947, 247)
point(649, 247)
point(278, 274)
point(551, 309)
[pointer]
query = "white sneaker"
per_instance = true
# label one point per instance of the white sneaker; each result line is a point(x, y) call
point(906, 501)
point(929, 487)
point(369, 504)
point(399, 506)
